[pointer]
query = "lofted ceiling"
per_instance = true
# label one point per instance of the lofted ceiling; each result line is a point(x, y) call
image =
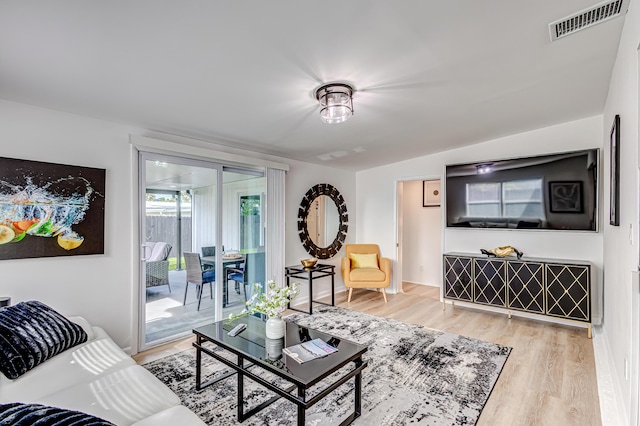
point(429, 76)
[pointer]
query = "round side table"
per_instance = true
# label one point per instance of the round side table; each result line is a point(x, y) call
point(5, 301)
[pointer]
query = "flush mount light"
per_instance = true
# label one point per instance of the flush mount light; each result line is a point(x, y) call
point(483, 169)
point(336, 102)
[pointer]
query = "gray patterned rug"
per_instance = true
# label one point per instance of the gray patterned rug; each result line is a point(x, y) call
point(415, 375)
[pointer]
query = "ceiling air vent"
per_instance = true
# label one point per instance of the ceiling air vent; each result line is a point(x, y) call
point(601, 12)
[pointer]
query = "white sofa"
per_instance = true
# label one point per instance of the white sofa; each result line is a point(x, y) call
point(99, 378)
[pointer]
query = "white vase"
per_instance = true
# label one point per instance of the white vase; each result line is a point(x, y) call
point(274, 328)
point(274, 348)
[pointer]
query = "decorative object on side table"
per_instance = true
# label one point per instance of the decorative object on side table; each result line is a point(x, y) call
point(272, 303)
point(309, 263)
point(503, 251)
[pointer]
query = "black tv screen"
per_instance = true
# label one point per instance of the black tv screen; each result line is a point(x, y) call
point(556, 191)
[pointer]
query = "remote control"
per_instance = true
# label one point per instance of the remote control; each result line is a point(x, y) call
point(237, 330)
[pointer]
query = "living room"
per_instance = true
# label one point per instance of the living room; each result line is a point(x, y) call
point(105, 288)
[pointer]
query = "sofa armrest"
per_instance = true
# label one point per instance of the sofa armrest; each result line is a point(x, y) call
point(85, 326)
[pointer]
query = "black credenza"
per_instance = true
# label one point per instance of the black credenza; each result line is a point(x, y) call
point(550, 287)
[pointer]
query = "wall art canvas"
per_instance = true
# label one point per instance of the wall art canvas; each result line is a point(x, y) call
point(431, 193)
point(614, 177)
point(49, 209)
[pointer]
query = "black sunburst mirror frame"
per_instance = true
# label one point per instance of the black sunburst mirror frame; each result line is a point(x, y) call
point(303, 212)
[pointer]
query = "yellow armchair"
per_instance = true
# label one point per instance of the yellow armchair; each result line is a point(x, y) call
point(364, 268)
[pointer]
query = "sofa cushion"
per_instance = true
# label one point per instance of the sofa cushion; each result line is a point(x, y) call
point(159, 251)
point(82, 363)
point(361, 260)
point(31, 333)
point(123, 397)
point(367, 275)
point(18, 414)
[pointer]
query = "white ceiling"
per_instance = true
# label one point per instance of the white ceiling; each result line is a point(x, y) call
point(429, 75)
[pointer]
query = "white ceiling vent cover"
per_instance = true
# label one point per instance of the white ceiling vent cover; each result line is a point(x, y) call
point(601, 12)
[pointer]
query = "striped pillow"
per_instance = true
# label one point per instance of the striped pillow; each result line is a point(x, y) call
point(31, 333)
point(18, 414)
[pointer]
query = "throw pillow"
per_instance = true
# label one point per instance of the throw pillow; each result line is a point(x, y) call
point(31, 333)
point(363, 260)
point(18, 414)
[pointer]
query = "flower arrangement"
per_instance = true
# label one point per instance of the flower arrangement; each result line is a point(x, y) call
point(272, 302)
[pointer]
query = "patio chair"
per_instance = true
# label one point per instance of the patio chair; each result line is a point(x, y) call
point(251, 271)
point(157, 265)
point(195, 275)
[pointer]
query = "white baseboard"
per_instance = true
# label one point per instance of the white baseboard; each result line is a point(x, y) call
point(609, 393)
point(425, 284)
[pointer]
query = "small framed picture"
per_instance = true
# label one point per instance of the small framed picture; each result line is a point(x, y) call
point(614, 177)
point(565, 197)
point(431, 193)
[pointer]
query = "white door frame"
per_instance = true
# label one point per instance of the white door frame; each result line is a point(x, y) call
point(143, 156)
point(398, 225)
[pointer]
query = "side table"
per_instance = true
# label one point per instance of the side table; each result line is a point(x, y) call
point(310, 274)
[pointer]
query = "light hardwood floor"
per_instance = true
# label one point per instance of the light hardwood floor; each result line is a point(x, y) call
point(549, 378)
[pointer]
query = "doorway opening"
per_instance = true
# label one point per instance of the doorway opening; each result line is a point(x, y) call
point(419, 235)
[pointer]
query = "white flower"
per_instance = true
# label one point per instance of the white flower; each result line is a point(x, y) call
point(272, 302)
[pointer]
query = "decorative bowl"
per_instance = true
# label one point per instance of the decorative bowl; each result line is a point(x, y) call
point(309, 263)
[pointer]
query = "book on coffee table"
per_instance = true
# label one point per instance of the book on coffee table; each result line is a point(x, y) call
point(308, 351)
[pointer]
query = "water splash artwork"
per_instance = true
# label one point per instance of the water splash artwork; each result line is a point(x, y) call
point(47, 210)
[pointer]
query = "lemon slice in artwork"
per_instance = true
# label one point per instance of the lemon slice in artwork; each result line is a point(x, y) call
point(70, 241)
point(6, 234)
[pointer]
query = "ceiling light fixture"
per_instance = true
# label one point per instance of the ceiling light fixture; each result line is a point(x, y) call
point(336, 101)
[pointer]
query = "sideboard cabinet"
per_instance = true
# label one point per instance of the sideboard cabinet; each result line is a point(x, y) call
point(550, 287)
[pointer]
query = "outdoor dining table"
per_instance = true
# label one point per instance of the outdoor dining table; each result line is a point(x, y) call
point(227, 262)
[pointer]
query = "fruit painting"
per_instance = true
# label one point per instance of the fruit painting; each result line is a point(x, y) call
point(49, 209)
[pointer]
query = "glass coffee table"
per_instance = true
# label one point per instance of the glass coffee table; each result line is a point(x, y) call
point(253, 353)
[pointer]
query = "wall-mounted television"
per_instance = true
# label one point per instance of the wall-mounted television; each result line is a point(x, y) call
point(555, 191)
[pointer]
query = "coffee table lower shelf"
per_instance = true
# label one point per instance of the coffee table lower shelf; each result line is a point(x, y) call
point(242, 366)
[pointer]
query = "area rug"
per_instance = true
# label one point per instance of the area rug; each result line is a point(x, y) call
point(415, 375)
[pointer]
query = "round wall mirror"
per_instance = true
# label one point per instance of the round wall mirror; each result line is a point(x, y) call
point(322, 221)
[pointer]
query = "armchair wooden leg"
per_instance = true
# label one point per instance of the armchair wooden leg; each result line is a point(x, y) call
point(384, 294)
point(349, 298)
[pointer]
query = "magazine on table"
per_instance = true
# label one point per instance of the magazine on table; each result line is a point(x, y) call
point(310, 350)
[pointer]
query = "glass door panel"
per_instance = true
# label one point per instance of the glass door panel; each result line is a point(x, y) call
point(179, 214)
point(243, 235)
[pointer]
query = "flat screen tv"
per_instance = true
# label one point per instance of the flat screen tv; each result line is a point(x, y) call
point(555, 191)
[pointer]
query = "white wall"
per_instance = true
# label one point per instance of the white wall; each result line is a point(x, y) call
point(620, 326)
point(97, 286)
point(101, 287)
point(375, 193)
point(421, 237)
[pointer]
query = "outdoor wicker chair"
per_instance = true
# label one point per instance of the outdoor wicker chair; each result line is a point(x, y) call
point(157, 265)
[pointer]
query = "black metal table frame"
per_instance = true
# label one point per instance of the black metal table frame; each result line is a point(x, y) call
point(242, 370)
point(322, 270)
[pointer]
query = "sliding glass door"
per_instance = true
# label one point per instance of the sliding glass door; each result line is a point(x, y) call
point(216, 212)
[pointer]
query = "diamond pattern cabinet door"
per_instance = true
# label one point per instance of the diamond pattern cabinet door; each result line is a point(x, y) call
point(568, 291)
point(525, 286)
point(490, 282)
point(458, 278)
